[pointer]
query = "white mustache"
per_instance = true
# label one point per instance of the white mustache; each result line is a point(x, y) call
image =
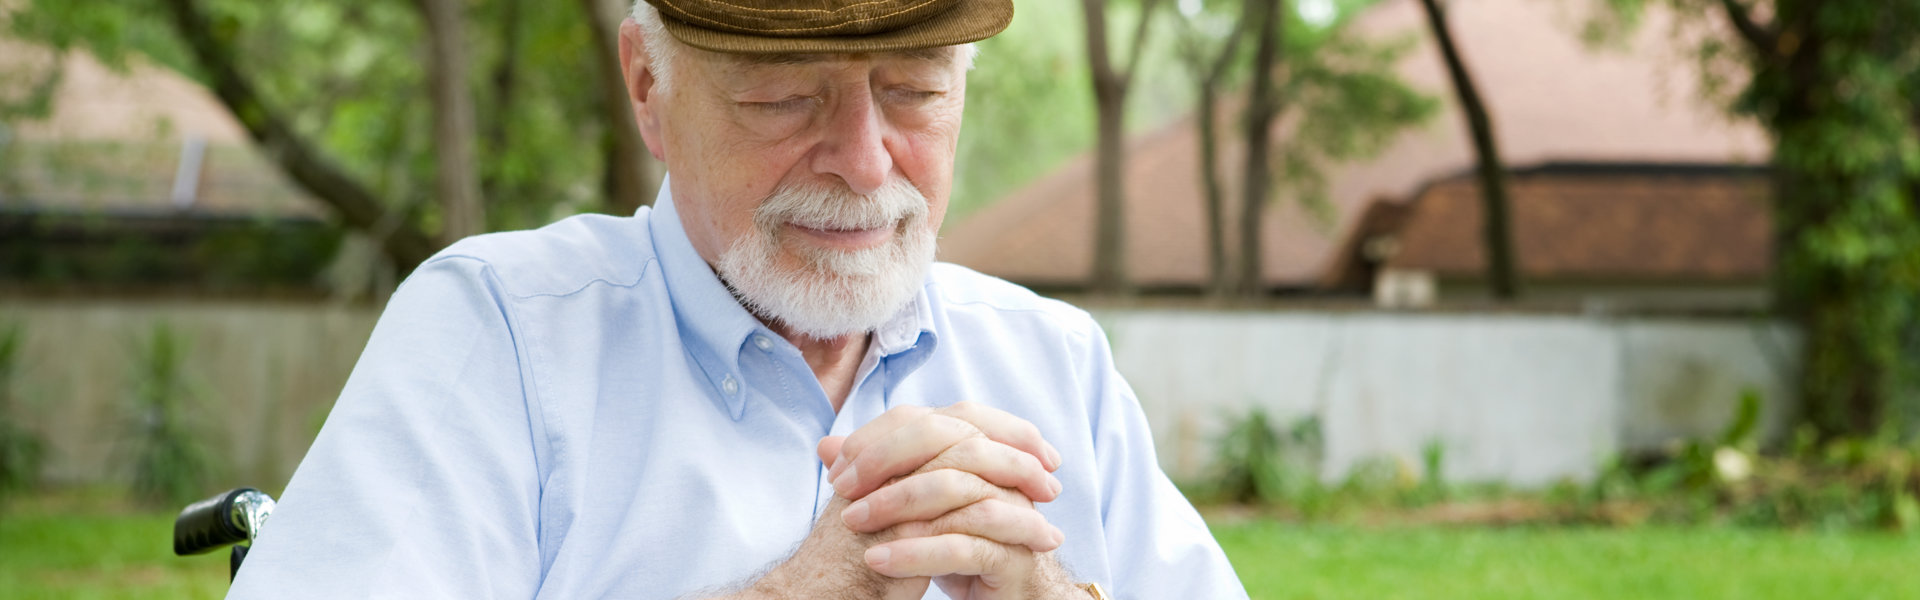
point(835, 208)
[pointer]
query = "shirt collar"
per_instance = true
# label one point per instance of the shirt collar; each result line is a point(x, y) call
point(716, 328)
point(712, 323)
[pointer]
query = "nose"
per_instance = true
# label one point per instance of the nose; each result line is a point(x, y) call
point(854, 145)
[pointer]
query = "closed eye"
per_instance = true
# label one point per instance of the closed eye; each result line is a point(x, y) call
point(911, 96)
point(785, 105)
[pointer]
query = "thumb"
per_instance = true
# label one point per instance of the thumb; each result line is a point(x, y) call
point(829, 448)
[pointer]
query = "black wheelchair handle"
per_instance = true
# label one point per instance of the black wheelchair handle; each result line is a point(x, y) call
point(211, 524)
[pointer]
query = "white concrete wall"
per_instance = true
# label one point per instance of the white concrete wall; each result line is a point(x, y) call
point(1522, 399)
point(1525, 399)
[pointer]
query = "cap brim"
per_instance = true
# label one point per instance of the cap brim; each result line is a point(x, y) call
point(969, 21)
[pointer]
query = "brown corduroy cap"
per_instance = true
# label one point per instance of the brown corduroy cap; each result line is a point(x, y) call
point(829, 26)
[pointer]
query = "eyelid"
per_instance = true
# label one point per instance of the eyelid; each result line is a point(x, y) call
point(784, 104)
point(913, 94)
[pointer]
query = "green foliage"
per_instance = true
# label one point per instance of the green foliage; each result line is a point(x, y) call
point(21, 450)
point(1836, 83)
point(1350, 102)
point(1844, 483)
point(348, 76)
point(1258, 462)
point(171, 463)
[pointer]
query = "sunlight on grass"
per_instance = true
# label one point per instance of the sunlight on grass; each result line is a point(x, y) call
point(1315, 561)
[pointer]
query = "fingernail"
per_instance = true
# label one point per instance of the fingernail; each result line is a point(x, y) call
point(838, 461)
point(855, 515)
point(1053, 458)
point(1059, 537)
point(1054, 484)
point(878, 557)
point(845, 481)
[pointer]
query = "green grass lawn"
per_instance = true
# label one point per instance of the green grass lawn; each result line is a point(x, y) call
point(80, 548)
point(1435, 562)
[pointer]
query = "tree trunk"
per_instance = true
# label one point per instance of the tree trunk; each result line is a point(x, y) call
point(1212, 71)
point(1219, 280)
point(1263, 106)
point(631, 177)
point(1110, 84)
point(456, 180)
point(1495, 228)
point(1109, 275)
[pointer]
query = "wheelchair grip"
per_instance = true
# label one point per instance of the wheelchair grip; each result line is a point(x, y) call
point(209, 524)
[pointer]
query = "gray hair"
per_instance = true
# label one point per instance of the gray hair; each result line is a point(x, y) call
point(662, 48)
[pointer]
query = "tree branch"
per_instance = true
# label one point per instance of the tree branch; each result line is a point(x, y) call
point(1139, 38)
point(352, 201)
point(1764, 40)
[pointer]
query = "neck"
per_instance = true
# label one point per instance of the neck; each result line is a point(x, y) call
point(835, 362)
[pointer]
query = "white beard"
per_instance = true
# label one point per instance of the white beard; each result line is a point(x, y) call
point(832, 293)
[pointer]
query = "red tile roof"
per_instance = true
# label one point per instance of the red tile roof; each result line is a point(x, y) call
point(1602, 222)
point(1553, 99)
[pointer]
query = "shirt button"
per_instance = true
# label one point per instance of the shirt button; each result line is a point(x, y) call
point(730, 386)
point(763, 342)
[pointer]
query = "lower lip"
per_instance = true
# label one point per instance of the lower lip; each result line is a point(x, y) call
point(849, 239)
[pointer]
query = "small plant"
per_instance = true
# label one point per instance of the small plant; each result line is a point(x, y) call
point(1845, 483)
point(21, 450)
point(171, 465)
point(1259, 463)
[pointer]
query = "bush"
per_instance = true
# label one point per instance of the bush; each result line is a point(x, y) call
point(1844, 483)
point(171, 465)
point(1259, 463)
point(21, 451)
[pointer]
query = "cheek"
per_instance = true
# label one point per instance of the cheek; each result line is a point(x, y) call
point(925, 156)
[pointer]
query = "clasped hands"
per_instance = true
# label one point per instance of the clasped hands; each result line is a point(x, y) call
point(942, 496)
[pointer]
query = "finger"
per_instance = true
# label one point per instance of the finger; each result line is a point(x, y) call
point(829, 448)
point(997, 565)
point(1010, 523)
point(1008, 429)
point(902, 451)
point(1000, 465)
point(879, 428)
point(921, 497)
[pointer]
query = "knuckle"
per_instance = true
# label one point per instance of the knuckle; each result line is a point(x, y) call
point(916, 529)
point(947, 484)
point(988, 556)
point(957, 428)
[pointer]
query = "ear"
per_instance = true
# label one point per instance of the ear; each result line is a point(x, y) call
point(638, 69)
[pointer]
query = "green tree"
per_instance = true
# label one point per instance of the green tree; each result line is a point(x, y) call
point(1112, 80)
point(338, 94)
point(1837, 85)
point(1344, 89)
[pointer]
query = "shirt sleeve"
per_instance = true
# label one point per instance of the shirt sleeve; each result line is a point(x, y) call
point(423, 482)
point(1157, 544)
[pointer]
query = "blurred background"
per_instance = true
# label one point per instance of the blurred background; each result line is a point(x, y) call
point(1422, 298)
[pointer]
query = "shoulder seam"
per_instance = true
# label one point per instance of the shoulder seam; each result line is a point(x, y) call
point(645, 269)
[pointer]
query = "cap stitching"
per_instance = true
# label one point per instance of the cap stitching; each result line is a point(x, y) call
point(800, 10)
point(912, 8)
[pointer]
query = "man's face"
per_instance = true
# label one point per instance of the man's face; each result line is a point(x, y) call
point(819, 148)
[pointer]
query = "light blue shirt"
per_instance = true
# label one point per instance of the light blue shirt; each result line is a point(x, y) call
point(584, 411)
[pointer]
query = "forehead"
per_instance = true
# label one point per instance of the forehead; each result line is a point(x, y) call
point(755, 63)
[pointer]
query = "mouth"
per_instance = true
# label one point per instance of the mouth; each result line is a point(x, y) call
point(845, 239)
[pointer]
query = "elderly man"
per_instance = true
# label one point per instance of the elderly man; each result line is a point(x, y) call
point(762, 387)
